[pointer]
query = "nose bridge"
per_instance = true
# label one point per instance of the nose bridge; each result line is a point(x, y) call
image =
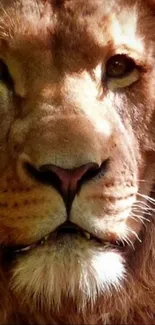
point(61, 128)
point(65, 141)
point(66, 94)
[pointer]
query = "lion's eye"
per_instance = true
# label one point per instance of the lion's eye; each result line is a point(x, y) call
point(5, 75)
point(121, 71)
point(119, 66)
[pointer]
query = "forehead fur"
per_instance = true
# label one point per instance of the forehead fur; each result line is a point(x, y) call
point(97, 25)
point(45, 13)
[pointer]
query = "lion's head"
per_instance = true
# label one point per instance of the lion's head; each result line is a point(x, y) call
point(77, 168)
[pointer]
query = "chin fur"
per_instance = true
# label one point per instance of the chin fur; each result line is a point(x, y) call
point(78, 270)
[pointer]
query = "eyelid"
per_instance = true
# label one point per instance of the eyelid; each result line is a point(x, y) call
point(140, 65)
point(137, 56)
point(119, 83)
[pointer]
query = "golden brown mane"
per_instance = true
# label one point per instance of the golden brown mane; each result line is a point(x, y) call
point(77, 168)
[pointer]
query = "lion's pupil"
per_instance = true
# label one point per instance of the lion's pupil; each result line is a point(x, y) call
point(118, 66)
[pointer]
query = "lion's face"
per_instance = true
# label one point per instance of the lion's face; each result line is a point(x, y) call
point(76, 143)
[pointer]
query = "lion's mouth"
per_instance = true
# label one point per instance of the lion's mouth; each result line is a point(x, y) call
point(67, 229)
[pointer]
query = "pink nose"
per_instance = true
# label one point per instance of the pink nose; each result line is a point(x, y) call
point(69, 178)
point(68, 181)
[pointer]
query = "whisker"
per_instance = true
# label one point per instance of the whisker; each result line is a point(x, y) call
point(144, 181)
point(143, 203)
point(142, 206)
point(147, 198)
point(134, 233)
point(128, 242)
point(122, 241)
point(147, 213)
point(137, 219)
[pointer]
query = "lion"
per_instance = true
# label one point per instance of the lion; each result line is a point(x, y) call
point(77, 168)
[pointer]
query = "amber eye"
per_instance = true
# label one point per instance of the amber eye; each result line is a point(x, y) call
point(5, 76)
point(119, 66)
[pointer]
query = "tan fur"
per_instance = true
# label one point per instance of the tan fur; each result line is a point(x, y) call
point(61, 112)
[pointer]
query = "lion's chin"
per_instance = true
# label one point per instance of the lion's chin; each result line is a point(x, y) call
point(70, 267)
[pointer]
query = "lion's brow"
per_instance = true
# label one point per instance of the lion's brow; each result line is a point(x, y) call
point(16, 20)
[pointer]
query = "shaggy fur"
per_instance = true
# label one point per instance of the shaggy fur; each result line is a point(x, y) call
point(58, 107)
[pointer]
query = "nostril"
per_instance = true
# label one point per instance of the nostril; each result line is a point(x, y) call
point(94, 172)
point(43, 175)
point(67, 182)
